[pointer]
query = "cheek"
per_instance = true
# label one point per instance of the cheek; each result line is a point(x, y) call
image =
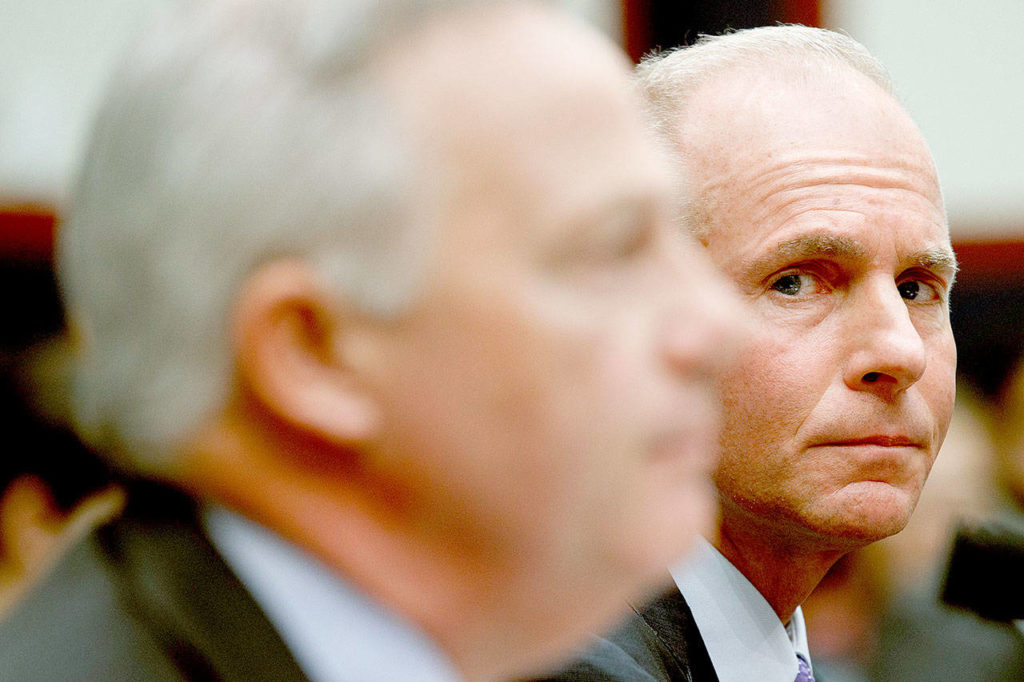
point(751, 429)
point(766, 398)
point(769, 391)
point(938, 386)
point(574, 413)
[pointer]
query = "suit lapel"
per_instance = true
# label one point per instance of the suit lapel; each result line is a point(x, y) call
point(177, 584)
point(670, 618)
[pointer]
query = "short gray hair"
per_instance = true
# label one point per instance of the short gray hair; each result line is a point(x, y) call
point(669, 79)
point(235, 133)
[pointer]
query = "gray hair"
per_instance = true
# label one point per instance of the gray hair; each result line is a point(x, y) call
point(235, 133)
point(668, 80)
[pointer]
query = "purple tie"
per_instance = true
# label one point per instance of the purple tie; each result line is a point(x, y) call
point(804, 674)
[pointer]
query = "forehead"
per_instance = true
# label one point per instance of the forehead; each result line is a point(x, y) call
point(811, 154)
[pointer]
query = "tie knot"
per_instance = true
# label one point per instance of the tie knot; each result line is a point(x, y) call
point(804, 670)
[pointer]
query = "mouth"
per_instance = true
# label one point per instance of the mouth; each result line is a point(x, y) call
point(880, 441)
point(893, 459)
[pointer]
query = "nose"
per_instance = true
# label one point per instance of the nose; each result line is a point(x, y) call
point(705, 328)
point(887, 353)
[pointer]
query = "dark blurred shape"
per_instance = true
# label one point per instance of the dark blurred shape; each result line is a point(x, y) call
point(31, 305)
point(31, 309)
point(663, 24)
point(986, 571)
point(53, 489)
point(679, 23)
point(985, 312)
point(48, 450)
point(34, 433)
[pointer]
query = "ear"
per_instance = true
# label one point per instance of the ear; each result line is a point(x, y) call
point(288, 332)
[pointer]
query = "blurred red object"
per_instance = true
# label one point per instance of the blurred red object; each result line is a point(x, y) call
point(26, 233)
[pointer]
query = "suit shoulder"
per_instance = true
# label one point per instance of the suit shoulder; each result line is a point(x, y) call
point(632, 653)
point(658, 642)
point(74, 626)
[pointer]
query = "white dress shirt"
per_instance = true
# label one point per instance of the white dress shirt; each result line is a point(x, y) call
point(334, 631)
point(744, 637)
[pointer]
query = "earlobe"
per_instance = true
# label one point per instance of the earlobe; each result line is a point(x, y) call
point(286, 334)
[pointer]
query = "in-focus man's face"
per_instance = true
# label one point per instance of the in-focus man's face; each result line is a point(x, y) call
point(551, 386)
point(825, 211)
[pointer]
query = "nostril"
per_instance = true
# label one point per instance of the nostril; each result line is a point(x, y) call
point(871, 377)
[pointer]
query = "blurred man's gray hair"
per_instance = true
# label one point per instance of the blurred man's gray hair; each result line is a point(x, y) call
point(670, 79)
point(248, 132)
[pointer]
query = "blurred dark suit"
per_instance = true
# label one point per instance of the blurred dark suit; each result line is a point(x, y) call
point(658, 642)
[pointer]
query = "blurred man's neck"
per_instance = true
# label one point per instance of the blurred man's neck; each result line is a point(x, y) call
point(439, 587)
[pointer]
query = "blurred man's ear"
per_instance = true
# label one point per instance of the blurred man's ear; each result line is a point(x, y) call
point(288, 334)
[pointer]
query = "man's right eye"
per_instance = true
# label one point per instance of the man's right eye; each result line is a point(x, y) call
point(789, 285)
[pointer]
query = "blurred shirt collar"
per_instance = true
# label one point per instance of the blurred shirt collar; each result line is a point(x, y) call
point(333, 630)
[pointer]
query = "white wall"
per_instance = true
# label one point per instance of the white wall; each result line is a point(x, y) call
point(959, 68)
point(606, 15)
point(54, 58)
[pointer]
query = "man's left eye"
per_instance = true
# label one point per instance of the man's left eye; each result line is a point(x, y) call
point(790, 284)
point(916, 290)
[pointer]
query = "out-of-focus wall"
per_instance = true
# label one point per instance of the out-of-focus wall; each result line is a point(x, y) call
point(959, 68)
point(604, 14)
point(54, 59)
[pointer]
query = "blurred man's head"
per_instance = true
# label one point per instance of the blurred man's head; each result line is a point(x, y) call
point(400, 284)
point(815, 194)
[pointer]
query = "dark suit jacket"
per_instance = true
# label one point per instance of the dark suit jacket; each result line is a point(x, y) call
point(658, 642)
point(144, 598)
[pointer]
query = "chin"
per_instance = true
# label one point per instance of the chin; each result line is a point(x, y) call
point(867, 512)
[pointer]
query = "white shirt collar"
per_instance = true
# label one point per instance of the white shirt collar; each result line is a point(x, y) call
point(333, 630)
point(744, 638)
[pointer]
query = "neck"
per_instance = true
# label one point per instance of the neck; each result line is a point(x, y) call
point(447, 589)
point(784, 571)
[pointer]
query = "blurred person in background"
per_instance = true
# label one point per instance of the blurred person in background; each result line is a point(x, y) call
point(843, 615)
point(877, 614)
point(384, 301)
point(922, 639)
point(813, 191)
point(53, 490)
point(1009, 439)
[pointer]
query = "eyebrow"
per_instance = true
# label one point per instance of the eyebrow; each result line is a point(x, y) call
point(809, 246)
point(818, 245)
point(938, 258)
point(805, 247)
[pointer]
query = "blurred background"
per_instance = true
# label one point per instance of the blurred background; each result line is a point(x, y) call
point(959, 69)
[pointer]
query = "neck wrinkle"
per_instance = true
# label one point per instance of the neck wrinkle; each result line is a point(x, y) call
point(785, 574)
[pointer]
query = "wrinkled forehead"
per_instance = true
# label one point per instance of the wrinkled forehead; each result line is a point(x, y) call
point(800, 109)
point(769, 135)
